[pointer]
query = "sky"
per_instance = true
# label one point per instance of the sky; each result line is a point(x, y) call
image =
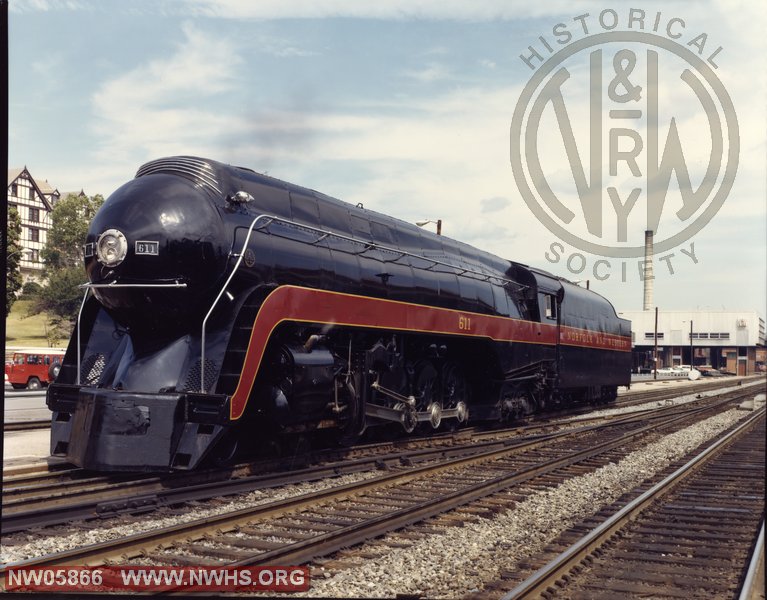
point(407, 107)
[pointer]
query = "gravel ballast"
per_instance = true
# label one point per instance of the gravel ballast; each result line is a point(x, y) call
point(691, 397)
point(450, 564)
point(458, 561)
point(41, 546)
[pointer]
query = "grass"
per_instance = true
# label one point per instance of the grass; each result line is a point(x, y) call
point(22, 329)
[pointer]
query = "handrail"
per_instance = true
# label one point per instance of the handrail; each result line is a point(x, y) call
point(324, 234)
point(114, 284)
point(79, 319)
point(367, 245)
point(221, 293)
point(374, 246)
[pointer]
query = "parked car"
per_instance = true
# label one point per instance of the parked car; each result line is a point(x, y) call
point(33, 368)
point(666, 371)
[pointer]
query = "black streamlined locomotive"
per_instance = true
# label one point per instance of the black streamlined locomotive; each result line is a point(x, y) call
point(226, 306)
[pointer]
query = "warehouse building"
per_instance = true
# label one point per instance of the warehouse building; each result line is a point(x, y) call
point(733, 341)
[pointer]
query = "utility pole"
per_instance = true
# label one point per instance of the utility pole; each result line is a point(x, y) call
point(655, 353)
point(692, 358)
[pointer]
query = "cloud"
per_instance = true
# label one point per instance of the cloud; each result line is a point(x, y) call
point(22, 6)
point(282, 48)
point(430, 73)
point(443, 154)
point(494, 204)
point(390, 10)
point(161, 100)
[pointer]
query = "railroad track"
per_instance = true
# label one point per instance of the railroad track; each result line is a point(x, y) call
point(61, 493)
point(690, 535)
point(40, 474)
point(32, 425)
point(643, 395)
point(60, 496)
point(628, 399)
point(319, 523)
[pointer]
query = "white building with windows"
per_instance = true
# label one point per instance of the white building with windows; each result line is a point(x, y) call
point(34, 201)
point(730, 340)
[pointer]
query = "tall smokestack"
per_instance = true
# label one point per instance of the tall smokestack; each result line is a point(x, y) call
point(648, 275)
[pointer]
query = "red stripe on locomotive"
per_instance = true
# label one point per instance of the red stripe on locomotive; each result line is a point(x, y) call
point(291, 303)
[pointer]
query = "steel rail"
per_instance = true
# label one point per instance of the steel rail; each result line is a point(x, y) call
point(26, 425)
point(155, 492)
point(119, 549)
point(545, 577)
point(750, 583)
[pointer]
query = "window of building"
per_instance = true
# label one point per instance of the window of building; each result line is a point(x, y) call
point(31, 193)
point(34, 234)
point(34, 215)
point(35, 256)
point(699, 336)
point(14, 189)
point(649, 335)
point(713, 336)
point(724, 336)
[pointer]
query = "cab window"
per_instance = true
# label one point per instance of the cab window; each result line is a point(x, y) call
point(551, 306)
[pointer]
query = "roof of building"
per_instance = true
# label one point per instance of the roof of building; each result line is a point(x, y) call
point(47, 188)
point(46, 191)
point(13, 174)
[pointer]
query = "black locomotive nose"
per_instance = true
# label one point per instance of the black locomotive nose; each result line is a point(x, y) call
point(160, 243)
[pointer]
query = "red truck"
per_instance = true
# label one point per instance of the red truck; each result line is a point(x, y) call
point(33, 368)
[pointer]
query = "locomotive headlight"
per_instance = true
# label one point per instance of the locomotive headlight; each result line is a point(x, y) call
point(111, 247)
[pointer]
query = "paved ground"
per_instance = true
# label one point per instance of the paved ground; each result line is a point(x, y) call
point(22, 447)
point(25, 406)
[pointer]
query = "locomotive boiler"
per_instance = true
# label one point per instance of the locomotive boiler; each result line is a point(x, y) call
point(224, 306)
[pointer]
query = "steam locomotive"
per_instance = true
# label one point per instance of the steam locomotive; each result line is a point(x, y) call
point(225, 306)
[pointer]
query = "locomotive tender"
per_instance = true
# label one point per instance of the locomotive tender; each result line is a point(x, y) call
point(224, 305)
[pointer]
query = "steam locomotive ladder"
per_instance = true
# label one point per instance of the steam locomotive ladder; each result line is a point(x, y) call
point(404, 410)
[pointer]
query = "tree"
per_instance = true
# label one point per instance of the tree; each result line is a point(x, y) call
point(61, 299)
point(13, 252)
point(63, 255)
point(30, 289)
point(62, 296)
point(69, 227)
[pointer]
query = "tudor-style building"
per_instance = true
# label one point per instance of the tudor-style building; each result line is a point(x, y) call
point(34, 201)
